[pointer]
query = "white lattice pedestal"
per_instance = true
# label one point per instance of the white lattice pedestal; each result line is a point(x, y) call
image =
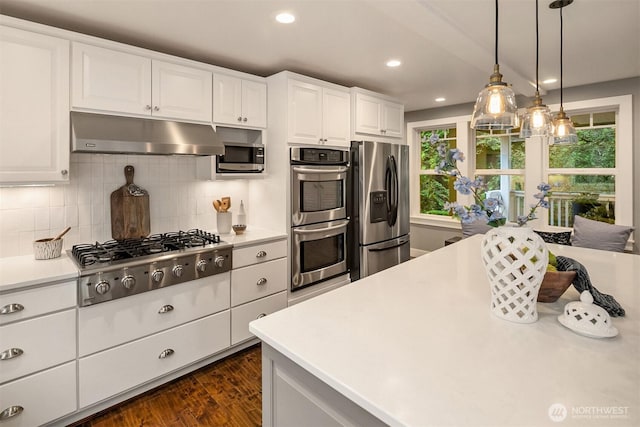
point(515, 259)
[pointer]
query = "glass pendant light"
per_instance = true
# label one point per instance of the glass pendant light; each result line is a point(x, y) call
point(537, 120)
point(496, 104)
point(563, 130)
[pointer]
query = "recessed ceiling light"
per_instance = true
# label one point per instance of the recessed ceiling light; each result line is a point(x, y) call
point(285, 18)
point(549, 81)
point(393, 63)
point(441, 99)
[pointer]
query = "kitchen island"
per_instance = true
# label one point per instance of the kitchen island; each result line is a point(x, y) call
point(416, 345)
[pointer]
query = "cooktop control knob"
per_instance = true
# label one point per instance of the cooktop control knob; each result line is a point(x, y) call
point(128, 282)
point(219, 261)
point(157, 276)
point(102, 287)
point(202, 265)
point(177, 270)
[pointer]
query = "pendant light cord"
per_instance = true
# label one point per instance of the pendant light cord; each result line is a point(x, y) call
point(537, 48)
point(496, 44)
point(561, 73)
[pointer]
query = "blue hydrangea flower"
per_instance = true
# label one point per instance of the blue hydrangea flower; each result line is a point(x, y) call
point(544, 187)
point(463, 185)
point(457, 155)
point(539, 196)
point(491, 203)
point(434, 138)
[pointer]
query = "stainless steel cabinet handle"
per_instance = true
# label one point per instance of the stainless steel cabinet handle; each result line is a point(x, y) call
point(156, 108)
point(11, 353)
point(147, 107)
point(261, 315)
point(11, 308)
point(64, 172)
point(11, 412)
point(239, 118)
point(165, 309)
point(261, 254)
point(261, 281)
point(166, 353)
point(244, 119)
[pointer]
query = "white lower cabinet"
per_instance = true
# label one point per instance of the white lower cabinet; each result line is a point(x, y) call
point(39, 398)
point(115, 322)
point(127, 366)
point(36, 344)
point(242, 315)
point(258, 285)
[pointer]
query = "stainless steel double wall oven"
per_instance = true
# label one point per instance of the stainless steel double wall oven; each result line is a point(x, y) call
point(319, 222)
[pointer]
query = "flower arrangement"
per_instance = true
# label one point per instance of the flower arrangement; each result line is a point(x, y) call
point(486, 209)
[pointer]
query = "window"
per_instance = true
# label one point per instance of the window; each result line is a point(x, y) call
point(594, 171)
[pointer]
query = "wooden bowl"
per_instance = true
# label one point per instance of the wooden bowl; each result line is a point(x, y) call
point(239, 228)
point(554, 284)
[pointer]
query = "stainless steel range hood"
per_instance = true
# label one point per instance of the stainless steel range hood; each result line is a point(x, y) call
point(101, 133)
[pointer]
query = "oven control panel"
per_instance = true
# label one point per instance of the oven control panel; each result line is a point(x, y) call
point(133, 278)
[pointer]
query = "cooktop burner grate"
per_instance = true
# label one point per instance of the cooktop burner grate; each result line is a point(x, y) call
point(116, 250)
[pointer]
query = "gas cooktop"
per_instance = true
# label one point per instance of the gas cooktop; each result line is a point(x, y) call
point(121, 268)
point(114, 252)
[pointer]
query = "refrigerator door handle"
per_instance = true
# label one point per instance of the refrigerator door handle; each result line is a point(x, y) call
point(391, 186)
point(386, 248)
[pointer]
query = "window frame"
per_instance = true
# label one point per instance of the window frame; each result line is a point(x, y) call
point(536, 161)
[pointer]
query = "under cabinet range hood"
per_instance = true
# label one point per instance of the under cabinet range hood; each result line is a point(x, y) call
point(101, 133)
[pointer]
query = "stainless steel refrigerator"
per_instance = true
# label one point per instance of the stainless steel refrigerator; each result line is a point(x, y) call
point(378, 206)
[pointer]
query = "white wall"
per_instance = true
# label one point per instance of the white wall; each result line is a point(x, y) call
point(177, 200)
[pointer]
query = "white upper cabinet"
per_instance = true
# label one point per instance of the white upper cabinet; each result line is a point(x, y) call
point(104, 79)
point(34, 108)
point(239, 102)
point(318, 115)
point(377, 116)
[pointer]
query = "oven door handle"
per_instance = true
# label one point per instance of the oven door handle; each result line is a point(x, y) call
point(336, 169)
point(321, 230)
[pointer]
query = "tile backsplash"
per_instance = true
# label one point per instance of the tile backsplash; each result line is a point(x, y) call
point(177, 200)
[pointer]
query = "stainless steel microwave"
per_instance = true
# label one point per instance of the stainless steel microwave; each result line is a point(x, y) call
point(241, 158)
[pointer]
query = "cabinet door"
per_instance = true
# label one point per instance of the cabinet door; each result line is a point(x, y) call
point(103, 79)
point(392, 119)
point(254, 104)
point(305, 113)
point(227, 99)
point(34, 107)
point(368, 115)
point(180, 92)
point(336, 117)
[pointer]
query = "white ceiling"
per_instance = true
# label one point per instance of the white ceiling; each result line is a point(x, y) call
point(446, 46)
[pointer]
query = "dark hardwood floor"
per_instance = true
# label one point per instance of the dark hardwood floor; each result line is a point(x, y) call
point(225, 393)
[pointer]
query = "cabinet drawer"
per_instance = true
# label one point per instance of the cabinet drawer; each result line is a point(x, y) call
point(113, 371)
point(36, 302)
point(259, 253)
point(44, 341)
point(257, 281)
point(242, 315)
point(44, 396)
point(112, 323)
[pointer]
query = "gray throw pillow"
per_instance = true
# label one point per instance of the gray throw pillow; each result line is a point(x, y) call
point(476, 227)
point(599, 235)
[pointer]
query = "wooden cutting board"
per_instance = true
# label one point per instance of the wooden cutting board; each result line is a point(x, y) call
point(130, 210)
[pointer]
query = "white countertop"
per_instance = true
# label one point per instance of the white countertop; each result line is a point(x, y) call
point(416, 345)
point(24, 271)
point(251, 236)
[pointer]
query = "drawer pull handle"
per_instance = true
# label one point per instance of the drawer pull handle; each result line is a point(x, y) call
point(11, 353)
point(261, 315)
point(166, 353)
point(11, 308)
point(10, 412)
point(261, 254)
point(165, 309)
point(261, 281)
